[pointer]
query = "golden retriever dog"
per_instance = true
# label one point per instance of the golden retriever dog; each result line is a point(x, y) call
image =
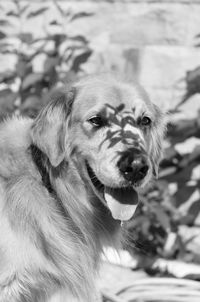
point(67, 180)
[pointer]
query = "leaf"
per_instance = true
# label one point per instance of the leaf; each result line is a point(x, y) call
point(4, 22)
point(79, 38)
point(31, 106)
point(26, 37)
point(50, 63)
point(31, 80)
point(59, 38)
point(7, 76)
point(12, 13)
point(54, 22)
point(23, 9)
point(80, 59)
point(7, 98)
point(2, 35)
point(162, 217)
point(23, 67)
point(37, 12)
point(59, 8)
point(81, 15)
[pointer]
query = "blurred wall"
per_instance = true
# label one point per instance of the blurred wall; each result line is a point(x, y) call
point(154, 41)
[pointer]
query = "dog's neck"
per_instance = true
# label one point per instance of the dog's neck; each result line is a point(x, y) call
point(55, 183)
point(77, 218)
point(64, 183)
point(92, 223)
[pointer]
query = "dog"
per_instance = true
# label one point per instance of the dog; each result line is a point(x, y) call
point(67, 180)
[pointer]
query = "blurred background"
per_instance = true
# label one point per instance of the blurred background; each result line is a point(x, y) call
point(45, 44)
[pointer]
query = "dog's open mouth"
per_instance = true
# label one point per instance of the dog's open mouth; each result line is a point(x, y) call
point(122, 202)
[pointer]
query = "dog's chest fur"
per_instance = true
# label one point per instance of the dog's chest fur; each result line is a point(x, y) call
point(48, 239)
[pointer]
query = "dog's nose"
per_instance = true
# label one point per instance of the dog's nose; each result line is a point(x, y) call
point(133, 167)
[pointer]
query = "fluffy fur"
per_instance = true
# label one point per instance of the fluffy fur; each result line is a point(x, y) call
point(52, 224)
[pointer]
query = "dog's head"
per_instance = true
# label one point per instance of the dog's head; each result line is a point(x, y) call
point(111, 132)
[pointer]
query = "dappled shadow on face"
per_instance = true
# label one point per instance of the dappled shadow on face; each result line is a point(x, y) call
point(120, 131)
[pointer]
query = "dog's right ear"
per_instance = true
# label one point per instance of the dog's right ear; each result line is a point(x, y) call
point(49, 129)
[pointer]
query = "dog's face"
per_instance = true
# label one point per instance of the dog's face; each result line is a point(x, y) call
point(113, 131)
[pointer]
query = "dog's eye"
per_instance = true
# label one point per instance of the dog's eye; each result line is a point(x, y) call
point(145, 121)
point(97, 121)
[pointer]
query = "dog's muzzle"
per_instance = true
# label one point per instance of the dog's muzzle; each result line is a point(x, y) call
point(133, 165)
point(121, 201)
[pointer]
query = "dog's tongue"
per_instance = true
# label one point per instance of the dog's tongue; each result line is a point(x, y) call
point(121, 202)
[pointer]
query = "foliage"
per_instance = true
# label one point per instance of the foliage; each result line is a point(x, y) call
point(58, 54)
point(171, 207)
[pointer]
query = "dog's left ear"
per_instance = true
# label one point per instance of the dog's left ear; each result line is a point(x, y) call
point(49, 129)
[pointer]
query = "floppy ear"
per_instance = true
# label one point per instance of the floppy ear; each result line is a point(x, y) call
point(157, 138)
point(49, 129)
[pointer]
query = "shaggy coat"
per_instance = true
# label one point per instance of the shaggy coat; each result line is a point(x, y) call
point(53, 220)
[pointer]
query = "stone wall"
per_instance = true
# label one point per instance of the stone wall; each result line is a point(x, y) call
point(154, 41)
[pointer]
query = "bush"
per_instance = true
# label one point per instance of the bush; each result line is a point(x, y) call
point(60, 55)
point(169, 215)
